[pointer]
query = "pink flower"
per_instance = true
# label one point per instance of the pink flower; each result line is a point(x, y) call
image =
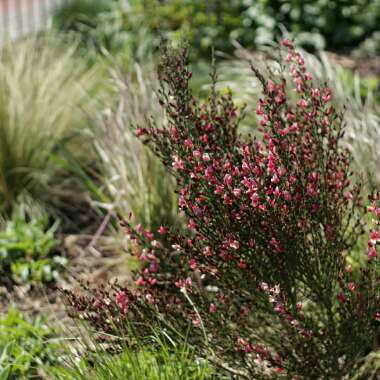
point(212, 309)
point(193, 264)
point(234, 244)
point(287, 196)
point(150, 299)
point(244, 345)
point(177, 163)
point(188, 143)
point(174, 133)
point(162, 230)
point(375, 235)
point(206, 157)
point(264, 286)
point(197, 154)
point(287, 43)
point(140, 132)
point(348, 195)
point(227, 180)
point(302, 103)
point(140, 281)
point(180, 283)
point(327, 95)
point(237, 192)
point(280, 308)
point(372, 254)
point(270, 86)
point(341, 298)
point(122, 301)
point(209, 127)
point(224, 255)
point(351, 286)
point(98, 304)
point(207, 251)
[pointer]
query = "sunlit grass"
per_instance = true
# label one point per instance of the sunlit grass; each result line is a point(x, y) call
point(43, 93)
point(133, 179)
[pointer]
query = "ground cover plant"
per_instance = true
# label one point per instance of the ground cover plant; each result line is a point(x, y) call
point(262, 277)
point(26, 348)
point(28, 249)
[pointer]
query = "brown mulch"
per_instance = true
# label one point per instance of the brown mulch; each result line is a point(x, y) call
point(364, 66)
point(88, 260)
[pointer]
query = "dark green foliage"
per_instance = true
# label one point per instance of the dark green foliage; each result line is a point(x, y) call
point(83, 16)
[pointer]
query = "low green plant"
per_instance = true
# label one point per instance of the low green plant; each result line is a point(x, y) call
point(27, 246)
point(26, 347)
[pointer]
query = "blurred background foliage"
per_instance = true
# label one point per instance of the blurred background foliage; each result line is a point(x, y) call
point(138, 25)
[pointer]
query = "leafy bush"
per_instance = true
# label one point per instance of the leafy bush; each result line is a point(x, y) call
point(262, 277)
point(42, 91)
point(333, 25)
point(27, 245)
point(25, 347)
point(83, 16)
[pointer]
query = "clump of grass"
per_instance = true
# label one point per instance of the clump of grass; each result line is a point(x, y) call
point(161, 365)
point(42, 91)
point(89, 353)
point(134, 180)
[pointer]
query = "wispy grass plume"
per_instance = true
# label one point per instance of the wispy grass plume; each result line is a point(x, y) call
point(42, 91)
point(133, 178)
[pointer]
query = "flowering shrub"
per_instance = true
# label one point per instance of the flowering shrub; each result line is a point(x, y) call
point(261, 277)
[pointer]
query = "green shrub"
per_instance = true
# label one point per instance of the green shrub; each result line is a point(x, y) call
point(26, 347)
point(97, 23)
point(260, 283)
point(27, 245)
